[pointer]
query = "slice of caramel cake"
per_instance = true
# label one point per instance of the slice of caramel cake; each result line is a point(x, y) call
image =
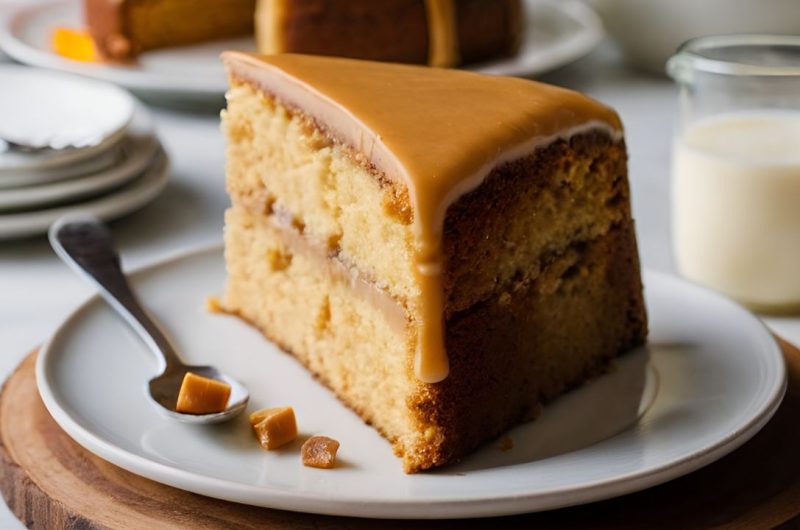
point(122, 29)
point(445, 250)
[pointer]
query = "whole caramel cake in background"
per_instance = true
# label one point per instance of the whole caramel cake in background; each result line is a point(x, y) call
point(446, 251)
point(436, 32)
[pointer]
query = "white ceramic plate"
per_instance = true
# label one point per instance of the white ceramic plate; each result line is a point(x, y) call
point(714, 377)
point(558, 32)
point(17, 164)
point(134, 153)
point(39, 107)
point(43, 109)
point(134, 156)
point(117, 203)
point(33, 177)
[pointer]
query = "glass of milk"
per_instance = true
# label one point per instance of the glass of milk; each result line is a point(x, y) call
point(736, 167)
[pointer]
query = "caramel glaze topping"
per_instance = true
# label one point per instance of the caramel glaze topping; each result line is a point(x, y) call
point(437, 131)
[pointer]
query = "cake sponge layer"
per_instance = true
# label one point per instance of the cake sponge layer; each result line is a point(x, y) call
point(526, 211)
point(509, 354)
point(279, 160)
point(345, 331)
point(526, 345)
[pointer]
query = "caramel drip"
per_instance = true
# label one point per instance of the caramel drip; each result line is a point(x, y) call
point(442, 35)
point(437, 131)
point(270, 16)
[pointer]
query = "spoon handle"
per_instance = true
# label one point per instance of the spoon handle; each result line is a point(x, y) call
point(84, 243)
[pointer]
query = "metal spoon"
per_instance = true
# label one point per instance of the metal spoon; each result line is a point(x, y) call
point(84, 243)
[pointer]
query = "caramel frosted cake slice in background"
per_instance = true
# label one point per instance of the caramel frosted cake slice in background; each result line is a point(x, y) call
point(437, 32)
point(446, 251)
point(122, 29)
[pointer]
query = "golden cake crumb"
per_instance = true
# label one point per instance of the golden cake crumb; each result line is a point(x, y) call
point(320, 451)
point(214, 305)
point(505, 444)
point(274, 427)
point(202, 395)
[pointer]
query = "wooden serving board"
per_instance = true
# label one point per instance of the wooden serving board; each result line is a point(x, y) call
point(50, 482)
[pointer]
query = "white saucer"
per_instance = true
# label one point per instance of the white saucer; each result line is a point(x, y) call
point(37, 106)
point(15, 162)
point(43, 109)
point(715, 377)
point(558, 32)
point(33, 177)
point(119, 202)
point(135, 157)
point(134, 153)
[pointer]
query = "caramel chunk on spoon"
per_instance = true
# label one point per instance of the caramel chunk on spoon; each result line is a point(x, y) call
point(202, 395)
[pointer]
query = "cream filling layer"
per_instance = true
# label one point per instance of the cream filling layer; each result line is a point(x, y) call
point(336, 269)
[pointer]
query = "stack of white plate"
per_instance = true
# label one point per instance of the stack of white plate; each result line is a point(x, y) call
point(70, 144)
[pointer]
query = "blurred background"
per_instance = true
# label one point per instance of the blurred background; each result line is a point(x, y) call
point(614, 50)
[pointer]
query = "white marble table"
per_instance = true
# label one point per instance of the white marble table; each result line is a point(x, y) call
point(37, 291)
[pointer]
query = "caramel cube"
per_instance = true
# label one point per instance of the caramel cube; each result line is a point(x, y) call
point(320, 451)
point(201, 395)
point(274, 427)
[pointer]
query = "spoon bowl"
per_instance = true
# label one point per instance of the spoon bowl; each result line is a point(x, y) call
point(84, 243)
point(164, 391)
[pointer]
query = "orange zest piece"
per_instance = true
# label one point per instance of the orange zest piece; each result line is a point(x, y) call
point(74, 44)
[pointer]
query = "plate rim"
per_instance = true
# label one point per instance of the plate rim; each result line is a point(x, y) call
point(135, 152)
point(130, 196)
point(211, 86)
point(484, 506)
